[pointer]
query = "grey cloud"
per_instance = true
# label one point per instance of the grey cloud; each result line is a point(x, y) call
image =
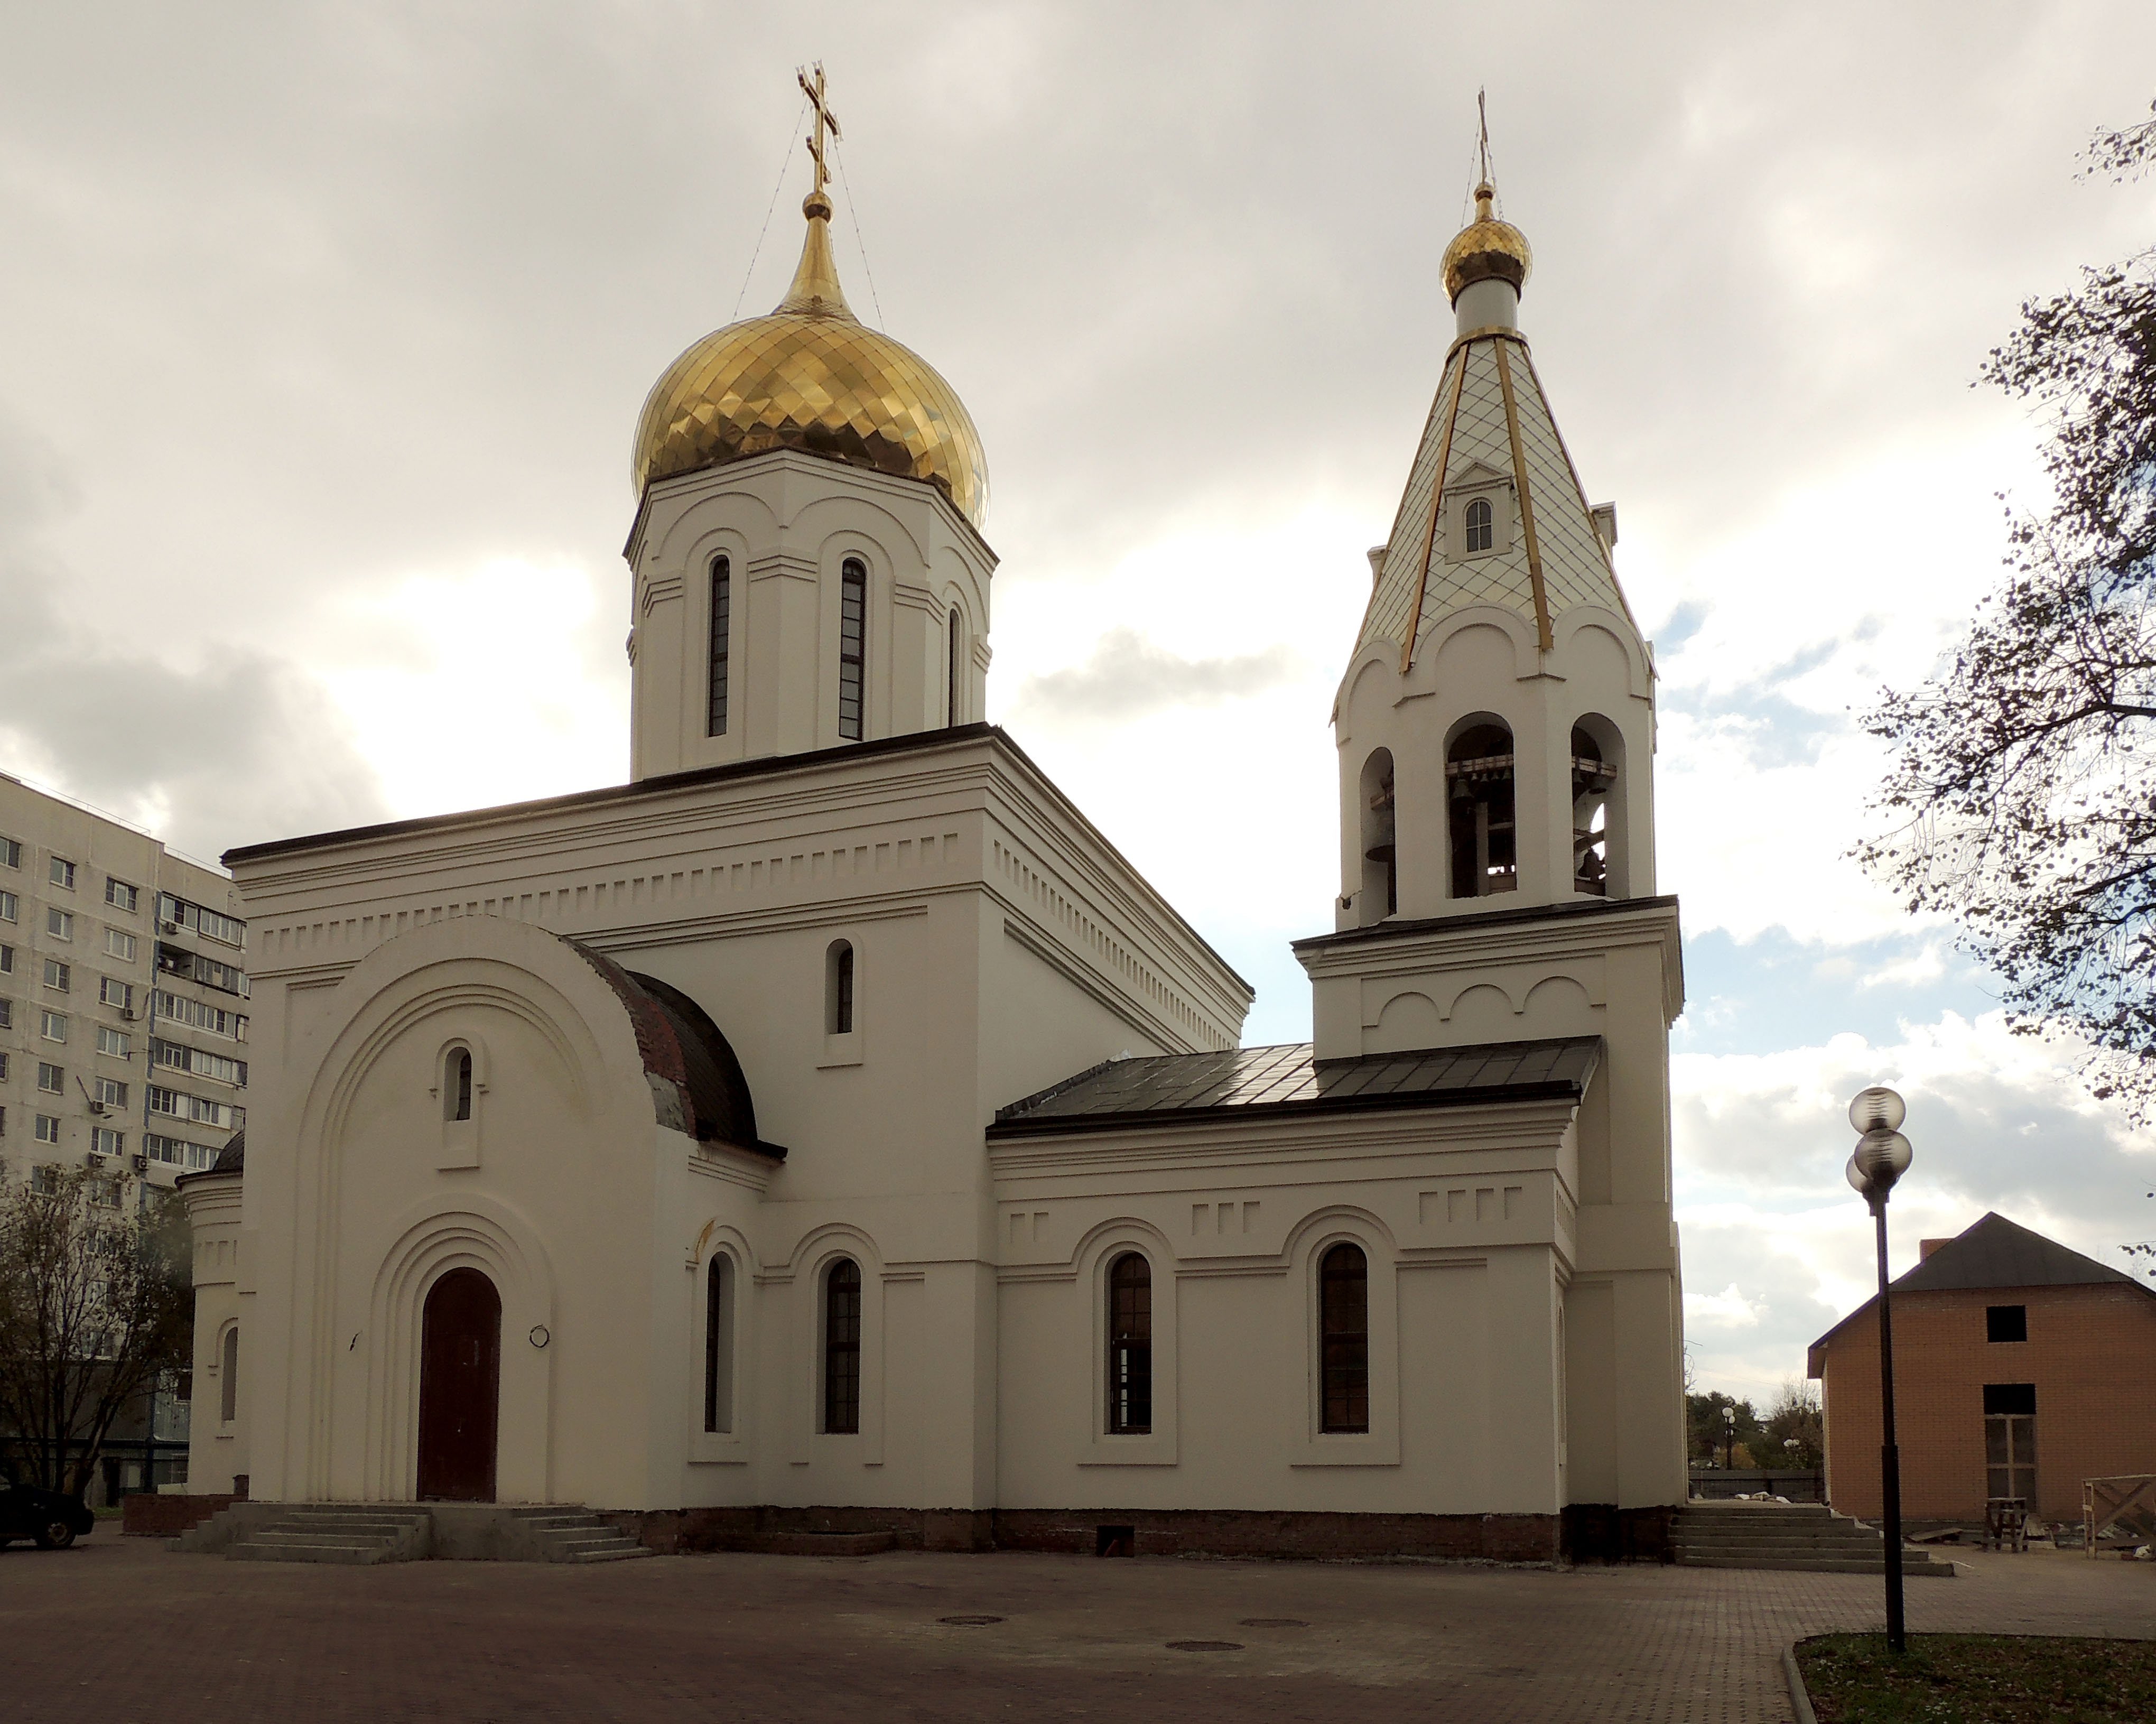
point(1128, 677)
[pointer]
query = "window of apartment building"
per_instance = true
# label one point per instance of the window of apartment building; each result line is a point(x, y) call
point(11, 907)
point(2006, 1323)
point(121, 895)
point(108, 1092)
point(174, 1152)
point(113, 992)
point(211, 924)
point(53, 1026)
point(6, 1014)
point(7, 960)
point(197, 1014)
point(121, 944)
point(59, 924)
point(59, 976)
point(52, 1078)
point(63, 873)
point(104, 1141)
point(11, 853)
point(228, 1070)
point(113, 1042)
point(4, 1068)
point(48, 1130)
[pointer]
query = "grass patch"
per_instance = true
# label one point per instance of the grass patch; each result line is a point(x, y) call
point(1978, 1679)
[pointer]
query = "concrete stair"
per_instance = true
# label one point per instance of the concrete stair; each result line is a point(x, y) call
point(574, 1534)
point(331, 1533)
point(1805, 1535)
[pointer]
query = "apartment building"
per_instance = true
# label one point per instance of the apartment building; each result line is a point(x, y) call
point(123, 999)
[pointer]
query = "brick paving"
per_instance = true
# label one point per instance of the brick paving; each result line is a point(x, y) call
point(121, 1631)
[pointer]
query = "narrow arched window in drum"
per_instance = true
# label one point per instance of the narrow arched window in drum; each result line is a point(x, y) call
point(853, 646)
point(842, 1347)
point(722, 620)
point(718, 1344)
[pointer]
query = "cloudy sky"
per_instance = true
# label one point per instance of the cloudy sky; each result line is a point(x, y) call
point(323, 330)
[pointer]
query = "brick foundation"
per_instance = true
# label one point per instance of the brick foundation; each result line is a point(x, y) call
point(1606, 1535)
point(145, 1516)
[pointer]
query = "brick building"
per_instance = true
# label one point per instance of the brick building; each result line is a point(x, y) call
point(2021, 1368)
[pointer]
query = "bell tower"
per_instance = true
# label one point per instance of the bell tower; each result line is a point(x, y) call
point(808, 565)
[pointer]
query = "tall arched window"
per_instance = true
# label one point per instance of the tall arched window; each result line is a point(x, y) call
point(457, 1086)
point(842, 1347)
point(1343, 1281)
point(227, 1387)
point(719, 1344)
point(1591, 779)
point(853, 646)
point(1130, 1346)
point(1481, 526)
point(722, 612)
point(952, 680)
point(1381, 865)
point(838, 988)
point(1479, 800)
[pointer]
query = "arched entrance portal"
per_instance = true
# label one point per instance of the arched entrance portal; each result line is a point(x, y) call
point(459, 1389)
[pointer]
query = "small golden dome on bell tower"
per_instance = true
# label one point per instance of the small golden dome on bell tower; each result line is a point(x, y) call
point(1486, 249)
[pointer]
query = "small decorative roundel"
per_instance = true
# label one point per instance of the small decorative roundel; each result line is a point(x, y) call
point(539, 1335)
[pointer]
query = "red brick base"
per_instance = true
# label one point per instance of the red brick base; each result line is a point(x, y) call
point(145, 1516)
point(1181, 1532)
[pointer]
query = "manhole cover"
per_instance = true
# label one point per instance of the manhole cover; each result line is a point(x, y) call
point(1204, 1646)
point(969, 1622)
point(1274, 1621)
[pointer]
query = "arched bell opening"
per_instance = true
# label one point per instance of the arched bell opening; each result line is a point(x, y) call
point(1597, 826)
point(1481, 803)
point(1380, 897)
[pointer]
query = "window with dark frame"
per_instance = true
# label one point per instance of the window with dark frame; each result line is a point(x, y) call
point(1130, 1347)
point(1482, 525)
point(2006, 1323)
point(952, 681)
point(227, 1388)
point(460, 1083)
point(853, 642)
point(721, 631)
point(1343, 1277)
point(842, 1348)
point(839, 989)
point(718, 1348)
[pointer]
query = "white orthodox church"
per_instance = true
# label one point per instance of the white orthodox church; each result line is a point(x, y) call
point(829, 1130)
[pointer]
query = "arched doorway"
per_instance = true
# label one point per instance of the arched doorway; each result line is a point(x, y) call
point(459, 1389)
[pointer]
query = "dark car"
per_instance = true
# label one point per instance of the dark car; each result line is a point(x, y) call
point(54, 1521)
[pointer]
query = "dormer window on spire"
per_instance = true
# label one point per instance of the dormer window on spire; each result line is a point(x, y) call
point(1481, 526)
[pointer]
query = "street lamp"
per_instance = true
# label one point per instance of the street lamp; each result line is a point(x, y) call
point(1882, 1158)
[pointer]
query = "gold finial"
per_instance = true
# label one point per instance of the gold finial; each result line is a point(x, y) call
point(824, 118)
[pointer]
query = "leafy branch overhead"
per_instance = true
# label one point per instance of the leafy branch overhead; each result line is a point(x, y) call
point(2021, 800)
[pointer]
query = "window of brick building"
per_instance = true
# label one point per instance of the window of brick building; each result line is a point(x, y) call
point(2006, 1323)
point(2009, 1440)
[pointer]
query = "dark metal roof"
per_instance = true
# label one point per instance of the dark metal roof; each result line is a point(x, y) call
point(1175, 1089)
point(1992, 1253)
point(231, 1159)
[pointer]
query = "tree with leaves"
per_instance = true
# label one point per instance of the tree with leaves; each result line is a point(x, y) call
point(95, 1301)
point(2022, 799)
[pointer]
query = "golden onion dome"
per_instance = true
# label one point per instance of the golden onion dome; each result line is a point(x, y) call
point(812, 376)
point(1486, 249)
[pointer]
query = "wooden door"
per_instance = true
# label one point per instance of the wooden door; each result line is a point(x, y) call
point(459, 1389)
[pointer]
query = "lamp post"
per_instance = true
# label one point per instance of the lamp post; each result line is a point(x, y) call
point(1882, 1158)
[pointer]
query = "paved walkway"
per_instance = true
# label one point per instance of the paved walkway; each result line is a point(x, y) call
point(124, 1632)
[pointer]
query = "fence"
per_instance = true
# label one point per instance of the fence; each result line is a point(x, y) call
point(1719, 1484)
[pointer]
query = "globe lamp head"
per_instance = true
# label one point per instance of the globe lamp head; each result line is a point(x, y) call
point(1877, 1109)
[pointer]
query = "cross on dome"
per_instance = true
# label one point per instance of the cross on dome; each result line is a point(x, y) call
point(824, 117)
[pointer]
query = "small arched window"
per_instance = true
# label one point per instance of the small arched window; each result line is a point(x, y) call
point(954, 680)
point(1481, 526)
point(1344, 1278)
point(457, 1085)
point(722, 612)
point(853, 646)
point(1479, 802)
point(227, 1387)
point(842, 1347)
point(1130, 1346)
point(1381, 865)
point(718, 1343)
point(838, 988)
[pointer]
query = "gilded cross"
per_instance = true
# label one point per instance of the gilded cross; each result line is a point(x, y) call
point(824, 117)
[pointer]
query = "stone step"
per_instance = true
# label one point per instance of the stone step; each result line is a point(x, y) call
point(269, 1548)
point(1913, 1569)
